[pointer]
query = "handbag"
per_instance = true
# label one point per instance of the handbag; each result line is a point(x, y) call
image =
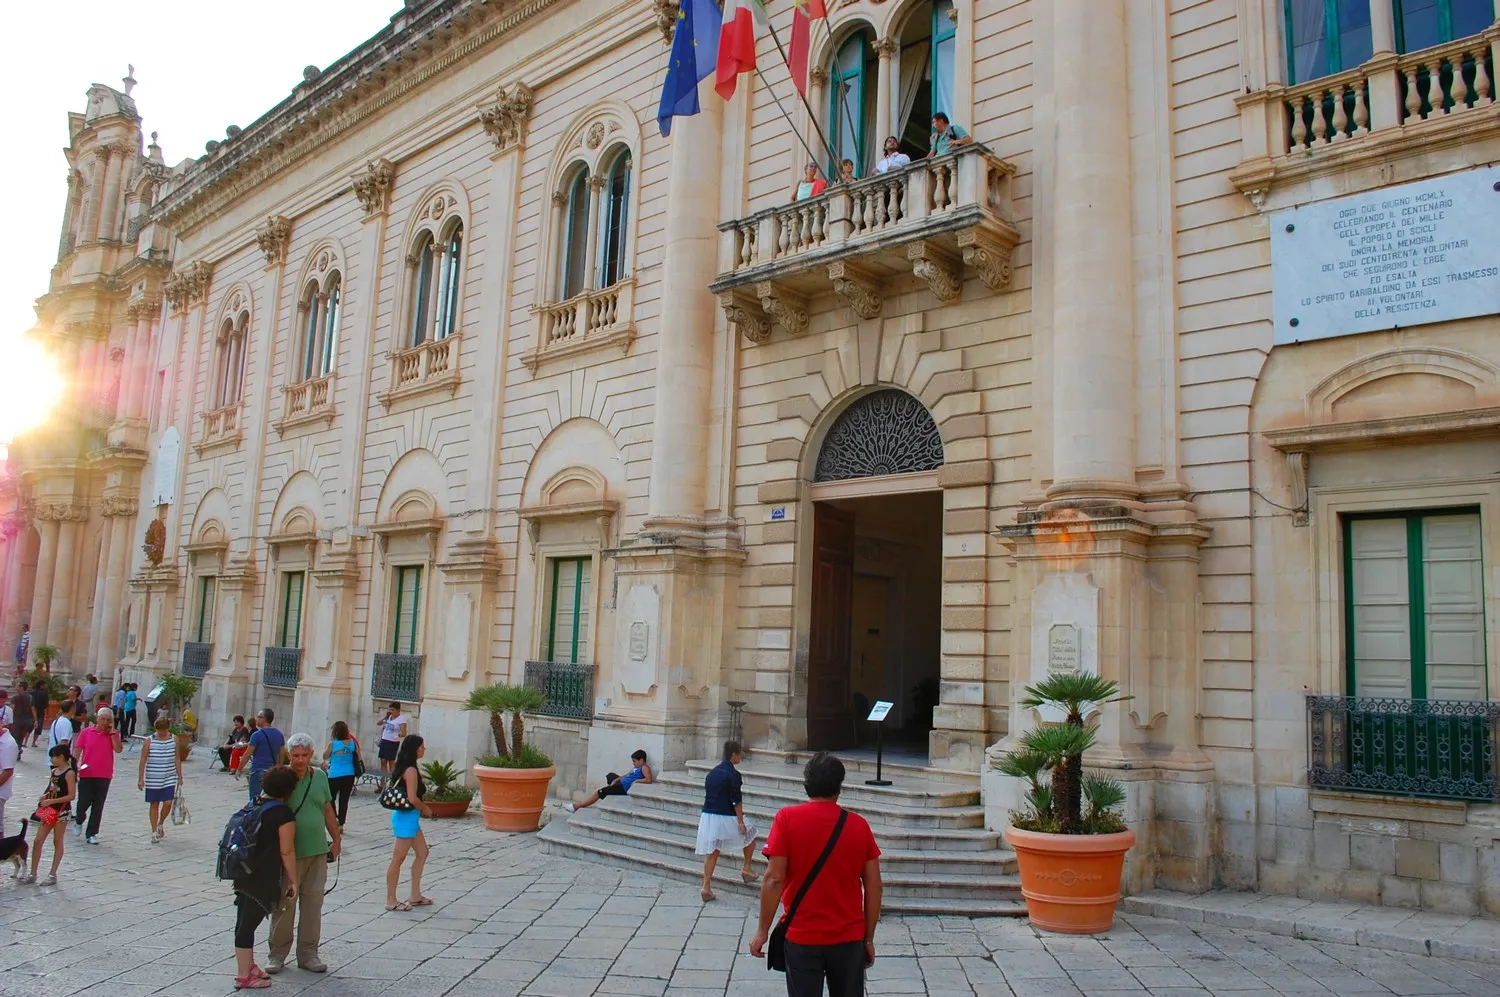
point(393, 797)
point(776, 949)
point(359, 759)
point(179, 808)
point(47, 815)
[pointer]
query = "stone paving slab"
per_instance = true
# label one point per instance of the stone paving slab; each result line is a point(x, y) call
point(1397, 929)
point(132, 919)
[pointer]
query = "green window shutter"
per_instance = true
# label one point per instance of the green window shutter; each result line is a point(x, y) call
point(408, 610)
point(290, 634)
point(568, 610)
point(207, 587)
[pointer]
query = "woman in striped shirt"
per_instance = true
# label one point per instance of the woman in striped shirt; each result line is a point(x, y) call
point(161, 774)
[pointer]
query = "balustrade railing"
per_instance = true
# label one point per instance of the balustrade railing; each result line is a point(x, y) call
point(397, 676)
point(569, 688)
point(429, 361)
point(308, 397)
point(1446, 79)
point(195, 658)
point(221, 423)
point(1326, 111)
point(283, 667)
point(584, 314)
point(1443, 749)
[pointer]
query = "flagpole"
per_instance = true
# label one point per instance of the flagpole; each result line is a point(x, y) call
point(811, 115)
point(840, 88)
point(795, 131)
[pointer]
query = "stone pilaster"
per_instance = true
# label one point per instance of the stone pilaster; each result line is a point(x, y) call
point(462, 658)
point(327, 687)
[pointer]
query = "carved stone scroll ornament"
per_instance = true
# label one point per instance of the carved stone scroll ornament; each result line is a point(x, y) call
point(143, 306)
point(505, 119)
point(988, 256)
point(788, 308)
point(273, 238)
point(61, 512)
point(857, 287)
point(189, 285)
point(745, 314)
point(940, 270)
point(373, 185)
point(1296, 463)
point(112, 506)
point(666, 17)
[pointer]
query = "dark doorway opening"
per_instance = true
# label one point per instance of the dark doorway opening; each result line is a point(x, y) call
point(876, 620)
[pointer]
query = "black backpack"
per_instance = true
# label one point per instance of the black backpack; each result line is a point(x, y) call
point(237, 844)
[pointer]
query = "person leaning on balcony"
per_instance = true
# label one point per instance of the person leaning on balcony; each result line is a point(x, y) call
point(811, 184)
point(893, 158)
point(946, 136)
point(846, 171)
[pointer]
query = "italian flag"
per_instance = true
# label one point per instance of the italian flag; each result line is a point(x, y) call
point(743, 21)
point(805, 13)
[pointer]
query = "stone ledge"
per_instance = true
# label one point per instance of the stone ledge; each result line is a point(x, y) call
point(1392, 929)
point(1388, 807)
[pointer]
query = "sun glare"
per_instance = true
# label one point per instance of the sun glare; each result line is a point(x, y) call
point(34, 386)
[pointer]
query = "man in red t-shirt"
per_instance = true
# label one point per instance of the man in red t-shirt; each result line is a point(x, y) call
point(832, 937)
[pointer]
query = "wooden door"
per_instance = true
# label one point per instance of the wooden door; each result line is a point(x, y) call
point(830, 725)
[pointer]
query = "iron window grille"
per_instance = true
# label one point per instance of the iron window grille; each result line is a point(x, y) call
point(569, 688)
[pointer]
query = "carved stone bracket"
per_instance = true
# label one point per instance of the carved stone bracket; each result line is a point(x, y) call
point(666, 18)
point(988, 255)
point(373, 186)
point(273, 238)
point(857, 286)
point(745, 314)
point(187, 286)
point(787, 307)
point(818, 75)
point(939, 269)
point(1296, 463)
point(143, 306)
point(61, 512)
point(504, 120)
point(113, 506)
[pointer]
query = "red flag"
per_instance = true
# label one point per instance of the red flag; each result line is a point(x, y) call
point(805, 13)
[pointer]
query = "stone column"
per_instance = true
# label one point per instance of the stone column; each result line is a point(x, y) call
point(10, 621)
point(817, 82)
point(111, 204)
point(70, 211)
point(59, 616)
point(1382, 27)
point(884, 49)
point(1093, 348)
point(46, 573)
point(123, 515)
point(551, 291)
point(1385, 84)
point(88, 226)
point(591, 263)
point(101, 582)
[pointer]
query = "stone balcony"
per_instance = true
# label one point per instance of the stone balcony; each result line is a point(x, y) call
point(589, 320)
point(221, 428)
point(305, 403)
point(932, 219)
point(429, 368)
point(1392, 106)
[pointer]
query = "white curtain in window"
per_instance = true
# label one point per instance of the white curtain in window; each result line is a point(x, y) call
point(1309, 40)
point(914, 60)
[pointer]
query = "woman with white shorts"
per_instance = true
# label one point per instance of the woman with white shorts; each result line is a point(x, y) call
point(722, 824)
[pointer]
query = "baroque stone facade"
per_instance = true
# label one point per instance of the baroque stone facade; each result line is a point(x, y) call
point(538, 395)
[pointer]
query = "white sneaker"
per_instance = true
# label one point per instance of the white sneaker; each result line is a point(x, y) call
point(51, 880)
point(77, 830)
point(570, 808)
point(93, 839)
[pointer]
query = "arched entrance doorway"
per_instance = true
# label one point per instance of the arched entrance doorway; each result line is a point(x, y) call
point(875, 625)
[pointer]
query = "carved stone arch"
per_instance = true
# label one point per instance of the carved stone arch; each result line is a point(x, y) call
point(419, 476)
point(573, 485)
point(893, 18)
point(435, 211)
point(413, 505)
point(593, 132)
point(1466, 376)
point(576, 450)
point(211, 532)
point(841, 24)
point(323, 258)
point(210, 517)
point(300, 496)
point(238, 299)
point(873, 432)
point(299, 520)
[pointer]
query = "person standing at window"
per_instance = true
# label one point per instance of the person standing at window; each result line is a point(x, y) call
point(811, 184)
point(893, 158)
point(946, 136)
point(392, 730)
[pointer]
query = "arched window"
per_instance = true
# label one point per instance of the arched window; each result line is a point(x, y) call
point(437, 284)
point(448, 285)
point(575, 236)
point(421, 326)
point(923, 69)
point(612, 221)
point(851, 103)
point(230, 348)
point(320, 324)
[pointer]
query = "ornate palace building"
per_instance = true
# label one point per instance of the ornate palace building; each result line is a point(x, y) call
point(450, 370)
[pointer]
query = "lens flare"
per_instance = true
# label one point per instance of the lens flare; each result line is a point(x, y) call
point(34, 386)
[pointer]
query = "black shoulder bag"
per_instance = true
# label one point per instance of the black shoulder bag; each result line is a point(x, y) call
point(776, 950)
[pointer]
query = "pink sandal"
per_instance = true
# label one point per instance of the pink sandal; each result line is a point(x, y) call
point(251, 982)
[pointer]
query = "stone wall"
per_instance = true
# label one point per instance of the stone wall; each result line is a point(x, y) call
point(566, 742)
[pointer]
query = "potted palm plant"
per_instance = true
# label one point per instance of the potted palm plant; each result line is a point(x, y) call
point(178, 691)
point(1069, 836)
point(513, 781)
point(445, 796)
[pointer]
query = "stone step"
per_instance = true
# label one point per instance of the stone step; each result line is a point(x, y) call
point(760, 798)
point(616, 818)
point(914, 791)
point(1000, 899)
point(860, 767)
point(681, 811)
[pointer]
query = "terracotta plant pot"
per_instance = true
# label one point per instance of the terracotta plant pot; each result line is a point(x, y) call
point(184, 746)
point(449, 808)
point(512, 799)
point(1071, 882)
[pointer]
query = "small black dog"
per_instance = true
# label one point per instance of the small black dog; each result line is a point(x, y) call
point(16, 850)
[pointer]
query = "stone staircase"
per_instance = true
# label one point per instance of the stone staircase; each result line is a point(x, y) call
point(937, 857)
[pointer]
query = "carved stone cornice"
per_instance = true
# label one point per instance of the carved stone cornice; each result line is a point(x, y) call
point(666, 17)
point(61, 512)
point(939, 269)
point(188, 286)
point(144, 305)
point(745, 314)
point(118, 506)
point(987, 255)
point(373, 185)
point(786, 306)
point(505, 118)
point(273, 238)
point(856, 286)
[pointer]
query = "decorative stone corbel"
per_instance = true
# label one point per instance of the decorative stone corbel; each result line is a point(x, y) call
point(746, 315)
point(186, 286)
point(118, 506)
point(373, 186)
point(504, 119)
point(786, 306)
point(938, 268)
point(666, 18)
point(1296, 463)
point(273, 238)
point(857, 286)
point(987, 255)
point(604, 521)
point(534, 534)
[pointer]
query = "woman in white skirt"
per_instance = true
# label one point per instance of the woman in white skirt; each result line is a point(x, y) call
point(722, 824)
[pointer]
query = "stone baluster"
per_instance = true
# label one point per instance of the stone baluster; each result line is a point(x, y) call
point(1299, 125)
point(1413, 93)
point(1361, 112)
point(1340, 116)
point(1460, 89)
point(1481, 79)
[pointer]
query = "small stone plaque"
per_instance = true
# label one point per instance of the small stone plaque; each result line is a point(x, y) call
point(1063, 653)
point(639, 640)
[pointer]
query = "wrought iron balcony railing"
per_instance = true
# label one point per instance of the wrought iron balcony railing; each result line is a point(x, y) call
point(397, 676)
point(569, 688)
point(932, 219)
point(1442, 749)
point(195, 658)
point(283, 667)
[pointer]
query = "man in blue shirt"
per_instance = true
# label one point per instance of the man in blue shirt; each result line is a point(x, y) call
point(265, 749)
point(946, 136)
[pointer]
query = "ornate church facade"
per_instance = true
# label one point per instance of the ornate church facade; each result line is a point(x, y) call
point(450, 370)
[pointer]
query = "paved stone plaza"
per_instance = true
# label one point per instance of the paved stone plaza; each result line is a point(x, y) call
point(151, 919)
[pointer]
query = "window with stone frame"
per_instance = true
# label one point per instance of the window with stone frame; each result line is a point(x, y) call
point(922, 68)
point(1423, 23)
point(203, 611)
point(406, 609)
point(229, 363)
point(566, 634)
point(289, 615)
point(436, 264)
point(1324, 37)
point(319, 316)
point(593, 225)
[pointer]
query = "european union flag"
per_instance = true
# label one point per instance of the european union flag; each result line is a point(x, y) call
point(695, 53)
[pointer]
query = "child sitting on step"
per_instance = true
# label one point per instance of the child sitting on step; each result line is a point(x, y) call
point(618, 785)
